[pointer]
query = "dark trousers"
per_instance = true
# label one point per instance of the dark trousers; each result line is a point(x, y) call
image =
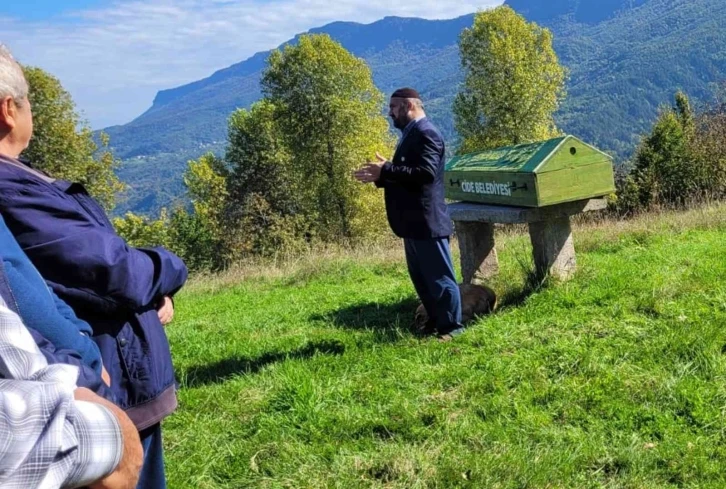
point(432, 273)
point(152, 472)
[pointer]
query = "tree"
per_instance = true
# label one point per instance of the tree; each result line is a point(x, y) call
point(259, 160)
point(265, 204)
point(287, 176)
point(193, 239)
point(513, 82)
point(206, 182)
point(63, 146)
point(681, 162)
point(142, 231)
point(664, 170)
point(330, 115)
point(709, 145)
point(199, 237)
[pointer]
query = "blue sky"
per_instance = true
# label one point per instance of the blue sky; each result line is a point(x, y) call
point(45, 9)
point(114, 55)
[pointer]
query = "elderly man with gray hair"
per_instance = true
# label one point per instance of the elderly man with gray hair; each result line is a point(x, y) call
point(53, 432)
point(124, 293)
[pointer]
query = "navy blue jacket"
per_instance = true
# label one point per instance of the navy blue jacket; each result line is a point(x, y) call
point(413, 183)
point(87, 377)
point(40, 308)
point(113, 286)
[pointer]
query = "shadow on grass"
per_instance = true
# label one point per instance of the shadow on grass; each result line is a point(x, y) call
point(222, 370)
point(534, 282)
point(385, 320)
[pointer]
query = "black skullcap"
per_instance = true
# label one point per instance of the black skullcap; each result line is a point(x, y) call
point(405, 93)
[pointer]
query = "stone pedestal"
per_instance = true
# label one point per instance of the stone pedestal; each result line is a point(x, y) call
point(552, 248)
point(549, 230)
point(478, 254)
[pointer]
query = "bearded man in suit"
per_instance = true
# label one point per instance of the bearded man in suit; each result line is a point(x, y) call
point(413, 184)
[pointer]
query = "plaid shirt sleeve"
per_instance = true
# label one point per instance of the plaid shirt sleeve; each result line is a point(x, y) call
point(47, 439)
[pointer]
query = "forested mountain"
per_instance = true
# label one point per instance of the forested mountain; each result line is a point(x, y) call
point(587, 11)
point(626, 58)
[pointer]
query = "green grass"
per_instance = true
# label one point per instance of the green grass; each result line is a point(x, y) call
point(311, 377)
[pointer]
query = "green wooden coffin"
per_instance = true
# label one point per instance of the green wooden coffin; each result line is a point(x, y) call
point(559, 170)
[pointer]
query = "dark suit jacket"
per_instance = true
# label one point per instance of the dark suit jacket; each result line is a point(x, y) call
point(414, 185)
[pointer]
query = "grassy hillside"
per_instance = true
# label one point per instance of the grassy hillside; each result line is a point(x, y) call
point(306, 375)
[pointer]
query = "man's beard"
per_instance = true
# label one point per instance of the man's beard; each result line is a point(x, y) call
point(400, 122)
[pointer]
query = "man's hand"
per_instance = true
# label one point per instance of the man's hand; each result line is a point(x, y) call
point(165, 309)
point(126, 475)
point(371, 172)
point(105, 377)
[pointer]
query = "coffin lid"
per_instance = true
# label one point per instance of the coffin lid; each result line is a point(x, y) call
point(522, 158)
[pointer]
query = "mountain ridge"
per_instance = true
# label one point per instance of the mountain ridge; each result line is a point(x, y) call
point(622, 69)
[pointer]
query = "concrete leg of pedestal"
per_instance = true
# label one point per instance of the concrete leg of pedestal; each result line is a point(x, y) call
point(478, 254)
point(553, 248)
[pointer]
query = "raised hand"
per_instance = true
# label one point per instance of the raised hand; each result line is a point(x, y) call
point(371, 171)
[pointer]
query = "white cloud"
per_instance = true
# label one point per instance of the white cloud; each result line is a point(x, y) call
point(113, 60)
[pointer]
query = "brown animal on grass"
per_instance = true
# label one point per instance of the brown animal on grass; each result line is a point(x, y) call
point(476, 300)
